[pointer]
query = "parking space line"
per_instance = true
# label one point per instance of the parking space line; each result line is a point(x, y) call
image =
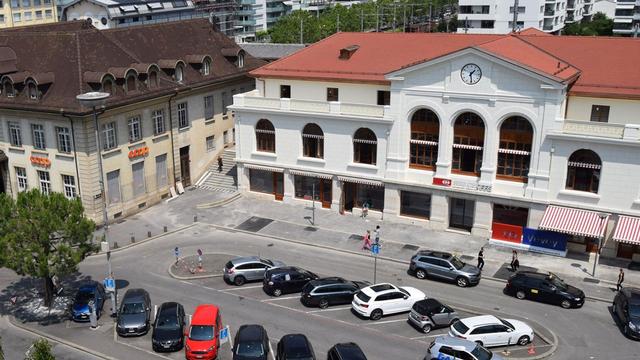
point(387, 322)
point(271, 351)
point(281, 298)
point(115, 339)
point(331, 309)
point(242, 288)
point(186, 282)
point(426, 336)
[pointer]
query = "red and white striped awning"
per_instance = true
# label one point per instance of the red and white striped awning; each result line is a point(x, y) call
point(361, 181)
point(514, 152)
point(424, 142)
point(310, 174)
point(574, 221)
point(627, 230)
point(467, 147)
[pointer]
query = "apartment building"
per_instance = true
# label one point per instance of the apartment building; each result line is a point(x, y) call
point(527, 139)
point(164, 123)
point(27, 12)
point(627, 18)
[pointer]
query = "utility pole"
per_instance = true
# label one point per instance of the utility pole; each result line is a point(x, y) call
point(338, 22)
point(430, 15)
point(514, 27)
point(377, 19)
point(404, 19)
point(394, 17)
point(301, 34)
point(361, 20)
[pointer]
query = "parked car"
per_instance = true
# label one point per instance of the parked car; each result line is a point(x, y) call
point(248, 268)
point(202, 335)
point(287, 279)
point(383, 299)
point(346, 351)
point(451, 348)
point(330, 291)
point(430, 313)
point(168, 328)
point(488, 330)
point(251, 343)
point(295, 347)
point(135, 313)
point(443, 265)
point(626, 306)
point(545, 288)
point(91, 291)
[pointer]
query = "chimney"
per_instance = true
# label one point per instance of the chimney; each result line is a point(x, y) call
point(347, 52)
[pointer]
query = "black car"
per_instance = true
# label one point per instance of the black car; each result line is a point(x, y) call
point(330, 291)
point(134, 313)
point(346, 351)
point(626, 306)
point(547, 288)
point(287, 279)
point(251, 343)
point(168, 328)
point(295, 347)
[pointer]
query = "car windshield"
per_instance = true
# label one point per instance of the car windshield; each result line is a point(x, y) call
point(460, 327)
point(363, 297)
point(201, 332)
point(84, 297)
point(404, 291)
point(508, 324)
point(457, 263)
point(167, 322)
point(250, 349)
point(634, 310)
point(481, 353)
point(557, 283)
point(133, 308)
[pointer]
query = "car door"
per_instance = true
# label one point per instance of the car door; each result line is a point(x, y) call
point(502, 335)
point(399, 303)
point(483, 334)
point(298, 280)
point(346, 292)
point(256, 271)
point(441, 268)
point(432, 267)
point(532, 289)
point(447, 270)
point(439, 317)
point(547, 293)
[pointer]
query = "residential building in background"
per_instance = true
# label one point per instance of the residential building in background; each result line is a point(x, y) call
point(627, 18)
point(27, 12)
point(164, 124)
point(270, 52)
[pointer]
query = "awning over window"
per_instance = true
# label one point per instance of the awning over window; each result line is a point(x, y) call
point(627, 230)
point(311, 174)
point(574, 221)
point(263, 168)
point(467, 147)
point(360, 181)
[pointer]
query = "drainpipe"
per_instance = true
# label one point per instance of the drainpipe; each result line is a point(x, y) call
point(173, 151)
point(75, 153)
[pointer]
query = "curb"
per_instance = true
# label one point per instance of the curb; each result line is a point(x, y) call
point(70, 344)
point(213, 204)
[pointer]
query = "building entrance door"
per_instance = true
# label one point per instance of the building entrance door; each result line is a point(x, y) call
point(278, 185)
point(185, 166)
point(348, 192)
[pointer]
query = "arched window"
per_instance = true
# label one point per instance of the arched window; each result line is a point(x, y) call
point(179, 73)
point(468, 139)
point(241, 59)
point(313, 141)
point(152, 81)
point(425, 128)
point(131, 82)
point(32, 90)
point(8, 89)
point(514, 152)
point(583, 171)
point(365, 146)
point(206, 67)
point(265, 136)
point(107, 85)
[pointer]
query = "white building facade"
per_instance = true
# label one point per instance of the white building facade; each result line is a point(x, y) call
point(627, 18)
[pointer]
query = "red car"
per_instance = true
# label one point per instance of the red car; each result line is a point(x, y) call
point(202, 334)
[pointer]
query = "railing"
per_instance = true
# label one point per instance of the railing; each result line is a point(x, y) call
point(309, 106)
point(613, 131)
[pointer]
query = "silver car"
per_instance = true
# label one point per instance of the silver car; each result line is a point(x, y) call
point(428, 314)
point(248, 268)
point(443, 265)
point(451, 348)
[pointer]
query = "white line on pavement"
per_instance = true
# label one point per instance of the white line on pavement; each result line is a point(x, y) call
point(387, 322)
point(271, 351)
point(186, 282)
point(426, 336)
point(243, 288)
point(331, 309)
point(281, 298)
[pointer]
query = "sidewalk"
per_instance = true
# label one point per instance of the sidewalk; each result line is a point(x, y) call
point(399, 240)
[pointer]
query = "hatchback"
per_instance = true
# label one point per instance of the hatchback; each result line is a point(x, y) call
point(168, 328)
point(445, 266)
point(451, 348)
point(544, 288)
point(134, 313)
point(626, 306)
point(284, 280)
point(295, 347)
point(90, 292)
point(202, 335)
point(346, 351)
point(248, 268)
point(330, 291)
point(383, 299)
point(251, 343)
point(488, 330)
point(430, 313)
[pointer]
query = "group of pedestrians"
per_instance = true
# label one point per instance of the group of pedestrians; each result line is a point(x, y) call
point(366, 239)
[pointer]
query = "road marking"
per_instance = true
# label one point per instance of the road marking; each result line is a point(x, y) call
point(271, 351)
point(426, 336)
point(243, 288)
point(331, 309)
point(186, 282)
point(141, 349)
point(387, 322)
point(281, 298)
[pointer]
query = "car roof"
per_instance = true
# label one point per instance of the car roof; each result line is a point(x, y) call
point(328, 281)
point(205, 314)
point(475, 321)
point(169, 306)
point(349, 350)
point(295, 340)
point(244, 259)
point(633, 294)
point(437, 254)
point(378, 289)
point(252, 332)
point(134, 295)
point(454, 341)
point(284, 269)
point(427, 305)
point(90, 286)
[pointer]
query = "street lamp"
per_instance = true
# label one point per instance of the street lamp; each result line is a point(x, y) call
point(93, 100)
point(603, 217)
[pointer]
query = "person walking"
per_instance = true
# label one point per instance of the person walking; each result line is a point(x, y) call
point(515, 263)
point(365, 209)
point(376, 235)
point(620, 280)
point(220, 164)
point(176, 252)
point(366, 244)
point(481, 258)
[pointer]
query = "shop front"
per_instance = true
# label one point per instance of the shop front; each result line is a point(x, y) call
point(358, 192)
point(585, 229)
point(313, 186)
point(267, 181)
point(461, 213)
point(627, 235)
point(508, 223)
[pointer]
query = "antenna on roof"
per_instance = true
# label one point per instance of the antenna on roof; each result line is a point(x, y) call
point(514, 26)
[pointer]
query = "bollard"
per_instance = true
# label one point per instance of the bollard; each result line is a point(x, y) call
point(164, 228)
point(148, 233)
point(195, 218)
point(133, 239)
point(115, 244)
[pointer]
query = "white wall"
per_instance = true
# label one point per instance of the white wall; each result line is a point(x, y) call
point(317, 90)
point(88, 10)
point(620, 111)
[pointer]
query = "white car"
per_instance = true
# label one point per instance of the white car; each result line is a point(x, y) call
point(488, 331)
point(384, 299)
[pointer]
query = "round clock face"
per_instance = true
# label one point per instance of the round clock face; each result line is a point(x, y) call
point(471, 74)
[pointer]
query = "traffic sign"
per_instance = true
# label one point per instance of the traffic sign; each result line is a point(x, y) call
point(375, 249)
point(109, 284)
point(224, 334)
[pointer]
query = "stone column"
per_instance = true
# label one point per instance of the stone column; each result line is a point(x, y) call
point(439, 219)
point(289, 187)
point(336, 193)
point(482, 218)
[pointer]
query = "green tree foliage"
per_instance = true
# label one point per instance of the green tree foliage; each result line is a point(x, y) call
point(600, 25)
point(41, 350)
point(43, 235)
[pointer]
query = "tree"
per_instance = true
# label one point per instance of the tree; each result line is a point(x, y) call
point(43, 235)
point(600, 25)
point(40, 350)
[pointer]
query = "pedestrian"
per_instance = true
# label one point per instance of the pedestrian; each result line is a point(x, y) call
point(620, 280)
point(199, 259)
point(515, 263)
point(365, 209)
point(481, 258)
point(176, 251)
point(366, 244)
point(219, 163)
point(376, 235)
point(93, 317)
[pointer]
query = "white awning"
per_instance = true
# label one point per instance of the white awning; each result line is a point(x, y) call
point(311, 174)
point(262, 131)
point(128, 8)
point(468, 147)
point(311, 136)
point(263, 168)
point(155, 6)
point(363, 141)
point(424, 142)
point(584, 165)
point(514, 152)
point(361, 181)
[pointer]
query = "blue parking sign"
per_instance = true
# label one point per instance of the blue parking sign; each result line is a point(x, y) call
point(109, 284)
point(224, 335)
point(375, 249)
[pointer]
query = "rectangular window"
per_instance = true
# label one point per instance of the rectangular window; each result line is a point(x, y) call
point(415, 204)
point(15, 134)
point(45, 182)
point(37, 2)
point(285, 91)
point(1, 18)
point(461, 214)
point(139, 187)
point(384, 97)
point(332, 94)
point(69, 184)
point(113, 187)
point(225, 137)
point(38, 14)
point(161, 171)
point(211, 145)
point(183, 116)
point(17, 17)
point(64, 139)
point(224, 104)
point(21, 177)
point(109, 139)
point(37, 131)
point(27, 16)
point(47, 2)
point(157, 117)
point(521, 9)
point(26, 3)
point(208, 107)
point(48, 13)
point(600, 113)
point(15, 4)
point(135, 129)
point(261, 181)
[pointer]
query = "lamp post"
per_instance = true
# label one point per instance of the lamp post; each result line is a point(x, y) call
point(603, 217)
point(93, 100)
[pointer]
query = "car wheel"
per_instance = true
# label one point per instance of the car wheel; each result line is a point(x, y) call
point(565, 304)
point(239, 280)
point(323, 304)
point(376, 314)
point(479, 343)
point(462, 281)
point(523, 340)
point(520, 295)
point(426, 329)
point(421, 274)
point(277, 292)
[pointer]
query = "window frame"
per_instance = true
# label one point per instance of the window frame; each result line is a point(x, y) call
point(362, 146)
point(134, 126)
point(69, 189)
point(109, 136)
point(38, 137)
point(22, 180)
point(179, 73)
point(15, 133)
point(576, 167)
point(209, 110)
point(384, 97)
point(63, 134)
point(210, 143)
point(285, 91)
point(424, 141)
point(466, 138)
point(333, 94)
point(206, 67)
point(157, 118)
point(265, 138)
point(183, 115)
point(312, 144)
point(44, 181)
point(600, 113)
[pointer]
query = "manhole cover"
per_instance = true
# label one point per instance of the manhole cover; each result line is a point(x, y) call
point(310, 228)
point(254, 224)
point(270, 245)
point(410, 247)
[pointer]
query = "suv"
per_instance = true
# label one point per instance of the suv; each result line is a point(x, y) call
point(430, 313)
point(202, 336)
point(384, 299)
point(288, 279)
point(443, 265)
point(346, 351)
point(134, 313)
point(626, 306)
point(545, 288)
point(330, 291)
point(451, 348)
point(248, 268)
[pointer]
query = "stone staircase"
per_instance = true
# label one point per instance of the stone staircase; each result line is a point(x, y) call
point(225, 180)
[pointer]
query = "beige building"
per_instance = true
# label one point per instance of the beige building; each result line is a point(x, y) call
point(165, 121)
point(27, 12)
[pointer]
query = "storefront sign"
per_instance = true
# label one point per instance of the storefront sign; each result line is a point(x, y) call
point(441, 182)
point(545, 239)
point(138, 152)
point(506, 232)
point(41, 161)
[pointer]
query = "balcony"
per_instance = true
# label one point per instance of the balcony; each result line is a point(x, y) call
point(549, 12)
point(250, 22)
point(247, 2)
point(597, 129)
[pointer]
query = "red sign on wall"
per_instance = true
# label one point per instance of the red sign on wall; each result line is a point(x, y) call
point(138, 152)
point(441, 181)
point(506, 232)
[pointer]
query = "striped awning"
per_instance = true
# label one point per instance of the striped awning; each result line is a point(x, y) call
point(627, 230)
point(360, 181)
point(310, 174)
point(574, 221)
point(364, 141)
point(312, 136)
point(468, 147)
point(584, 165)
point(263, 168)
point(264, 131)
point(514, 152)
point(424, 142)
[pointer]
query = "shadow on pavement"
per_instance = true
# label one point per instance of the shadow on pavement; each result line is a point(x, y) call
point(505, 272)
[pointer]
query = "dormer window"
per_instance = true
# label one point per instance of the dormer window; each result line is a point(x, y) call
point(8, 89)
point(179, 74)
point(32, 91)
point(206, 67)
point(152, 81)
point(241, 60)
point(131, 82)
point(107, 85)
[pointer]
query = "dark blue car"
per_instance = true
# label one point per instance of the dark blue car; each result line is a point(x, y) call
point(92, 291)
